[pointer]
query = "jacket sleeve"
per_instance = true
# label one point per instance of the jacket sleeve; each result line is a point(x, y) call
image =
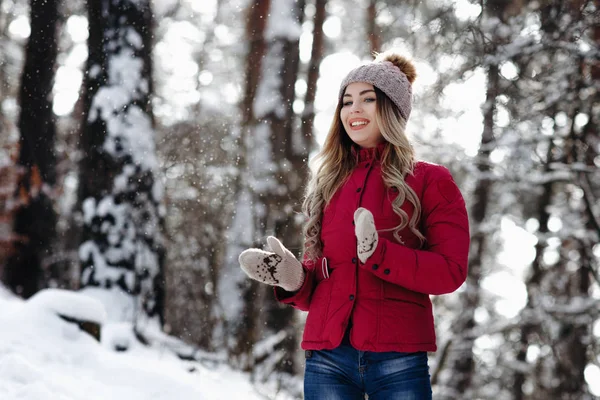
point(301, 298)
point(442, 266)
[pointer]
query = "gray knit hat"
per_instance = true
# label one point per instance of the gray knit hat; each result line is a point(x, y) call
point(392, 74)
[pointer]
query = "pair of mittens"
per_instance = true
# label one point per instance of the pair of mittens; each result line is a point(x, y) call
point(281, 268)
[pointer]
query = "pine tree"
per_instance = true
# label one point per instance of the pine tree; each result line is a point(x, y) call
point(120, 193)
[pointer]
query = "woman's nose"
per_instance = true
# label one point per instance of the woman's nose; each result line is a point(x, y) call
point(355, 108)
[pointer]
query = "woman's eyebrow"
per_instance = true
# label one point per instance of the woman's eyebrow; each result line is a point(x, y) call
point(361, 93)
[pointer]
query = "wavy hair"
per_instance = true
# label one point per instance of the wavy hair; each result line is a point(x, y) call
point(336, 161)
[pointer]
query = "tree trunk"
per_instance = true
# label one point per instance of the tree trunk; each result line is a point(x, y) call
point(316, 56)
point(535, 277)
point(571, 346)
point(119, 193)
point(35, 219)
point(373, 30)
point(460, 351)
point(288, 149)
point(8, 177)
point(258, 15)
point(237, 294)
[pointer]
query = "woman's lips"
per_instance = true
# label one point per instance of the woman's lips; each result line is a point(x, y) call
point(356, 124)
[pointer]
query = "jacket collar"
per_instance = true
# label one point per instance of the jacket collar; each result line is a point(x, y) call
point(366, 154)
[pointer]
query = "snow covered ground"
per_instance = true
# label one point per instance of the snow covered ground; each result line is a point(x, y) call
point(44, 357)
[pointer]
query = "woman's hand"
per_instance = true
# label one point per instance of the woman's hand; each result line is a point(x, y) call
point(366, 234)
point(280, 268)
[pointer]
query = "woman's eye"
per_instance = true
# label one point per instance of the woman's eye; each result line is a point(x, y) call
point(369, 99)
point(347, 103)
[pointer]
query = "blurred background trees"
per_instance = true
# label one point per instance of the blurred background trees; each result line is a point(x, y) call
point(143, 145)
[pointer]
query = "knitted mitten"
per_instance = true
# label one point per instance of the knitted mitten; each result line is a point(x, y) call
point(280, 268)
point(366, 234)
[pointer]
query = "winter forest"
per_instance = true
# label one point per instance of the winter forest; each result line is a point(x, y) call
point(145, 144)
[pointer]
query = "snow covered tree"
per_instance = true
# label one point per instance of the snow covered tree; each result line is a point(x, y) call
point(542, 85)
point(119, 190)
point(34, 224)
point(556, 338)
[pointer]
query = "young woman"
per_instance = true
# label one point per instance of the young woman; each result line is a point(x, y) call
point(384, 232)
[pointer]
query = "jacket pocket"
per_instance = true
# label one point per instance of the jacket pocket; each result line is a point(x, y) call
point(398, 293)
point(404, 318)
point(317, 313)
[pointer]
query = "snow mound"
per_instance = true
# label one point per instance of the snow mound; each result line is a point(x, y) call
point(69, 304)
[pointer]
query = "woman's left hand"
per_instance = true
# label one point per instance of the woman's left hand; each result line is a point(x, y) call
point(366, 234)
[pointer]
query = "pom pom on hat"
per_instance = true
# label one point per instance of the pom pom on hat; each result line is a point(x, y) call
point(403, 63)
point(391, 73)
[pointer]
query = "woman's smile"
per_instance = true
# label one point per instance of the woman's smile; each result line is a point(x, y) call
point(358, 123)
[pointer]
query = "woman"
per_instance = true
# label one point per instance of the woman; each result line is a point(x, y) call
point(384, 232)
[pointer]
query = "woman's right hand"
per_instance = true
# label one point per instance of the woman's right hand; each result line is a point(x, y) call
point(280, 268)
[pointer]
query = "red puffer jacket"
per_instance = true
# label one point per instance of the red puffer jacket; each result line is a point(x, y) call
point(385, 301)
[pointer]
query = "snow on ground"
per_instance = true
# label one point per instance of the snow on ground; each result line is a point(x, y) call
point(44, 357)
point(5, 294)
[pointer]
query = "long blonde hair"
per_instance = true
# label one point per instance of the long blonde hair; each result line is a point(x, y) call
point(336, 162)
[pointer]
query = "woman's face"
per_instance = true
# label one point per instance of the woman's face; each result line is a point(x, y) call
point(358, 114)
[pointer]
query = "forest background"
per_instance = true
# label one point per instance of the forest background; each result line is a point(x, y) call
point(144, 145)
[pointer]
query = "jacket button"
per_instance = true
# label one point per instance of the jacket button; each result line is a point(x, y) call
point(354, 260)
point(386, 271)
point(375, 266)
point(358, 190)
point(367, 165)
point(351, 297)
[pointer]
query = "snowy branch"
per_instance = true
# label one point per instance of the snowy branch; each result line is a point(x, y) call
point(577, 306)
point(588, 197)
point(181, 349)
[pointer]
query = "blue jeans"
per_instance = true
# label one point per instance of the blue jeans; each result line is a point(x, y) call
point(348, 374)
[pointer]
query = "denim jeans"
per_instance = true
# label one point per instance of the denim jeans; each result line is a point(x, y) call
point(348, 374)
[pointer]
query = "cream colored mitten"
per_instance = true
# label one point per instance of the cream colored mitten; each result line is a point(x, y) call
point(280, 268)
point(366, 234)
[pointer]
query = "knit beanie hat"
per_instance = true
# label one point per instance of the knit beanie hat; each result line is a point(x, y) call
point(391, 73)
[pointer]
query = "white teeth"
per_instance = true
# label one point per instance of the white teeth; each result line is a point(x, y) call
point(357, 123)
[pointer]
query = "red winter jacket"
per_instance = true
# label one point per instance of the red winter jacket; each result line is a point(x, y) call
point(386, 300)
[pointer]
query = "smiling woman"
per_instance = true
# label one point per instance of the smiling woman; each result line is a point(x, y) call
point(384, 231)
